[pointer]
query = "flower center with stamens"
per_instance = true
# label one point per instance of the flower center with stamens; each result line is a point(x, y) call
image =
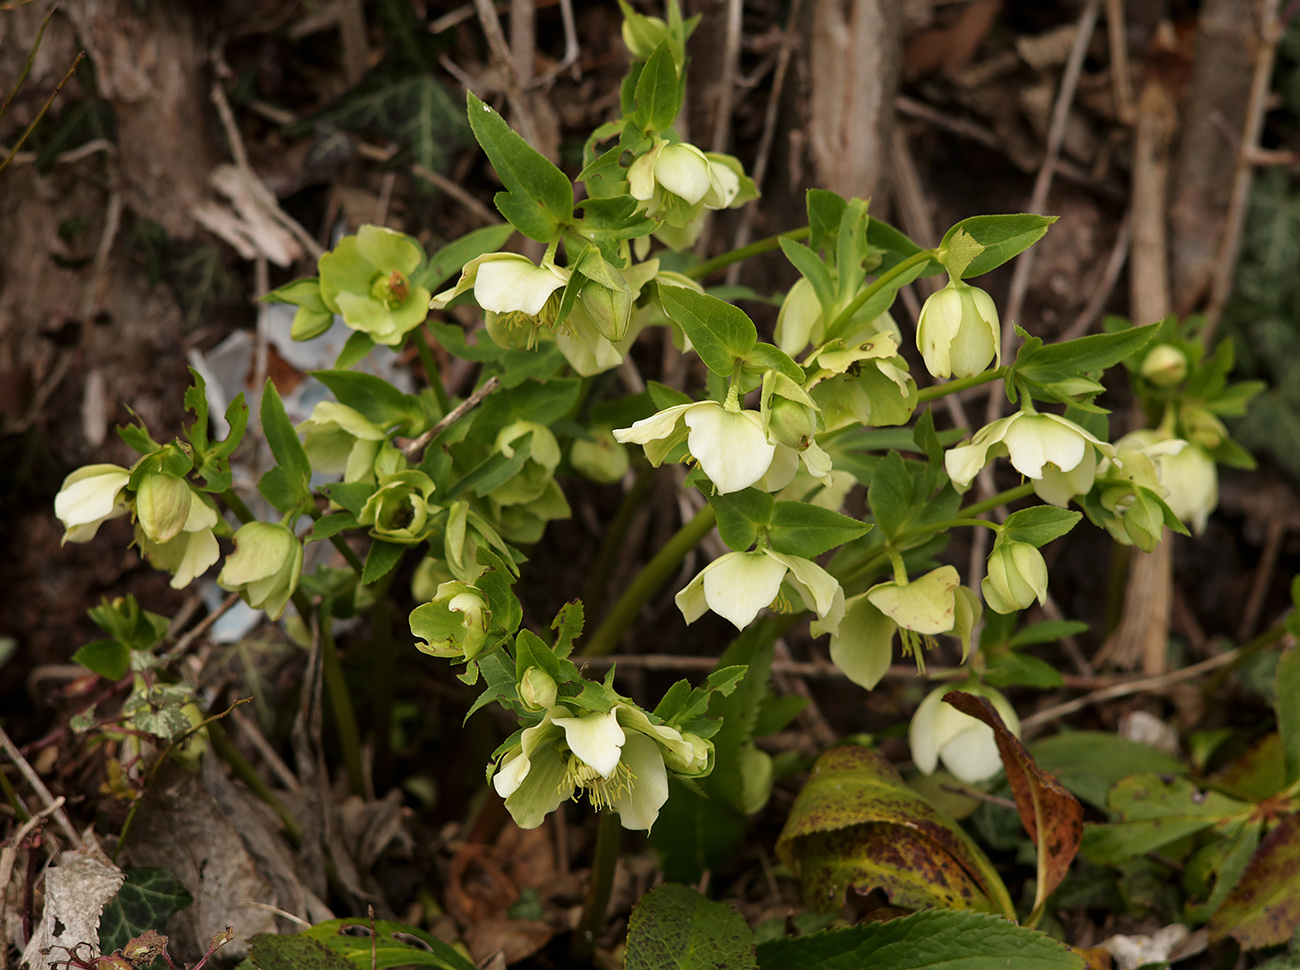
point(601, 792)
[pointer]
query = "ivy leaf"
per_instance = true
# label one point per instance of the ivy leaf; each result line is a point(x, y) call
point(147, 899)
point(111, 659)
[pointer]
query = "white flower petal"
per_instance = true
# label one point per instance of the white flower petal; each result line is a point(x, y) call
point(972, 754)
point(89, 494)
point(684, 171)
point(656, 426)
point(729, 445)
point(740, 584)
point(510, 285)
point(779, 474)
point(638, 807)
point(690, 600)
point(921, 733)
point(596, 738)
point(514, 769)
point(1036, 439)
point(818, 582)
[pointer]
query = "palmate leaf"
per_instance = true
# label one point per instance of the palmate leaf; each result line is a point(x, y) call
point(396, 101)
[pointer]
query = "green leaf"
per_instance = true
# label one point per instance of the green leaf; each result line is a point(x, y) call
point(1040, 524)
point(740, 516)
point(1048, 364)
point(531, 181)
point(377, 400)
point(1287, 702)
point(568, 627)
point(383, 556)
point(810, 266)
point(889, 496)
point(718, 331)
point(801, 529)
point(658, 91)
point(764, 357)
point(675, 928)
point(930, 940)
point(111, 659)
point(147, 899)
point(825, 210)
point(1155, 810)
point(1002, 236)
point(1089, 763)
point(451, 258)
point(283, 440)
point(1263, 909)
point(1016, 669)
point(694, 833)
point(355, 349)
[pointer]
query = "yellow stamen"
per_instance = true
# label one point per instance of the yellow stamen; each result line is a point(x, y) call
point(601, 792)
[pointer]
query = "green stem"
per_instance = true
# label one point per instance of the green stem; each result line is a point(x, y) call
point(710, 266)
point(250, 776)
point(345, 718)
point(653, 575)
point(871, 289)
point(968, 512)
point(608, 836)
point(347, 551)
point(960, 384)
point(384, 677)
point(593, 596)
point(431, 370)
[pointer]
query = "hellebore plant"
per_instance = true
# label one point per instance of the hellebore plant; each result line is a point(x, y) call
point(822, 486)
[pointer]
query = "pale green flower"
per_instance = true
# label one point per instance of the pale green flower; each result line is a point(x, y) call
point(617, 759)
point(454, 624)
point(401, 509)
point(340, 440)
point(965, 745)
point(739, 584)
point(1164, 365)
point(924, 607)
point(265, 566)
point(366, 279)
point(88, 498)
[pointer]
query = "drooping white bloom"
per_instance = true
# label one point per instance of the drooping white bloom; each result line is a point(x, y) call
point(1034, 443)
point(89, 497)
point(736, 586)
point(1017, 575)
point(513, 290)
point(965, 745)
point(729, 444)
point(958, 333)
point(616, 758)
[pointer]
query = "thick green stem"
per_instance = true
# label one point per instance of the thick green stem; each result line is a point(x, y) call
point(653, 575)
point(345, 718)
point(593, 596)
point(431, 369)
point(236, 504)
point(608, 836)
point(935, 391)
point(874, 287)
point(745, 252)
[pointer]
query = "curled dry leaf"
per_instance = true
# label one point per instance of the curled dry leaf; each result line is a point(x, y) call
point(1051, 815)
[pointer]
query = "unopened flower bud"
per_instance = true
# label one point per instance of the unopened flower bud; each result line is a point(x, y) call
point(1165, 365)
point(455, 624)
point(958, 333)
point(1017, 576)
point(537, 689)
point(1201, 428)
point(791, 423)
point(601, 458)
point(162, 504)
point(642, 34)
